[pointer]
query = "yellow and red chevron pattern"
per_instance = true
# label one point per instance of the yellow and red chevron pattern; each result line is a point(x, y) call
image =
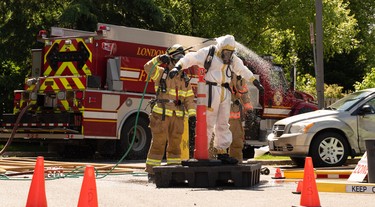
point(60, 83)
point(53, 84)
point(68, 57)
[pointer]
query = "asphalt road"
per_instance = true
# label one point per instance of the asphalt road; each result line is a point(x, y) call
point(133, 190)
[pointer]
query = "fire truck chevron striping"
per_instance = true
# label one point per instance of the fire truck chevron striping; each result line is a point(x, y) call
point(74, 49)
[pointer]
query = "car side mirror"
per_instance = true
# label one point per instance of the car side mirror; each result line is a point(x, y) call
point(365, 109)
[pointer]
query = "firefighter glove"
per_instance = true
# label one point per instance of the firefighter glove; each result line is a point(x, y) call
point(259, 86)
point(174, 71)
point(192, 121)
point(165, 59)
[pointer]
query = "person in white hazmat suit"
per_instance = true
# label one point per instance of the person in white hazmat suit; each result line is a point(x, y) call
point(218, 76)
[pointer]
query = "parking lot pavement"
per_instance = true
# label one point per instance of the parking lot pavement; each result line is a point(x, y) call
point(132, 189)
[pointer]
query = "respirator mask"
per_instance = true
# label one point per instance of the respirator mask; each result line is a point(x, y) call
point(226, 56)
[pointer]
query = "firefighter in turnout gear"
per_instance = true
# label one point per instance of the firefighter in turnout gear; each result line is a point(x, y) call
point(240, 104)
point(218, 76)
point(174, 99)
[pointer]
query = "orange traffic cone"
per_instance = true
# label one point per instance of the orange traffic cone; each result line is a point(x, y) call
point(278, 174)
point(309, 194)
point(299, 187)
point(88, 196)
point(201, 143)
point(37, 192)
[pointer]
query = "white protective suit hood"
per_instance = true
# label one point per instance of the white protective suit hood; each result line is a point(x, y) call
point(226, 42)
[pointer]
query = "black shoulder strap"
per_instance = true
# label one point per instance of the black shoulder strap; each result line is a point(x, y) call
point(162, 83)
point(211, 52)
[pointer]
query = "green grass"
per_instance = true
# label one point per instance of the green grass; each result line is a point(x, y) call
point(270, 157)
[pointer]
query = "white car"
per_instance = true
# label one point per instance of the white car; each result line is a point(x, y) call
point(329, 135)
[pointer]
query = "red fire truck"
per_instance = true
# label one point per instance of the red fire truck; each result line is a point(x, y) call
point(88, 89)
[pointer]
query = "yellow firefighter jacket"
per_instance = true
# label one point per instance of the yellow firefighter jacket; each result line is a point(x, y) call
point(178, 97)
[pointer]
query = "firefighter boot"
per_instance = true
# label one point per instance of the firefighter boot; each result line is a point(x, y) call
point(225, 159)
point(151, 178)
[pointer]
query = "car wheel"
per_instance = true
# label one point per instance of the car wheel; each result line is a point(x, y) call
point(299, 161)
point(329, 149)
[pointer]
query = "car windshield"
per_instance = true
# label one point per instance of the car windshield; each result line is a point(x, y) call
point(349, 100)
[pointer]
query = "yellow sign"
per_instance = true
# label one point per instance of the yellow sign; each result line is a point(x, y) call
point(185, 140)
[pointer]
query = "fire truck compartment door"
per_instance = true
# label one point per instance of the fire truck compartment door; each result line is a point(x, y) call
point(113, 75)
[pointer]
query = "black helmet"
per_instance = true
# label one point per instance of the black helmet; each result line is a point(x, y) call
point(176, 52)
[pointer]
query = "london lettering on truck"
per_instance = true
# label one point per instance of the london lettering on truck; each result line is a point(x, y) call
point(142, 51)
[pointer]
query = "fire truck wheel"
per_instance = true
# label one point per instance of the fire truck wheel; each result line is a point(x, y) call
point(142, 139)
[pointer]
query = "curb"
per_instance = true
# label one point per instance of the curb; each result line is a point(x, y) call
point(346, 187)
point(319, 174)
point(289, 162)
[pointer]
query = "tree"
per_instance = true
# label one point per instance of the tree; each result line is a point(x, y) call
point(281, 28)
point(367, 82)
point(85, 14)
point(364, 11)
point(20, 21)
point(307, 84)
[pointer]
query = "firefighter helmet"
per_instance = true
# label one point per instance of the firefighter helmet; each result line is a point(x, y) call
point(176, 52)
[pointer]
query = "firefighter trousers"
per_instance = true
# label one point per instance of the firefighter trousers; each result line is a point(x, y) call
point(164, 133)
point(235, 149)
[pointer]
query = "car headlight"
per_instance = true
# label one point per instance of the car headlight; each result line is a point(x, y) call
point(301, 127)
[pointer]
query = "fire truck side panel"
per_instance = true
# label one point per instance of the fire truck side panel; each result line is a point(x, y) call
point(100, 115)
point(130, 107)
point(132, 58)
point(99, 64)
point(106, 112)
point(102, 126)
point(133, 76)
